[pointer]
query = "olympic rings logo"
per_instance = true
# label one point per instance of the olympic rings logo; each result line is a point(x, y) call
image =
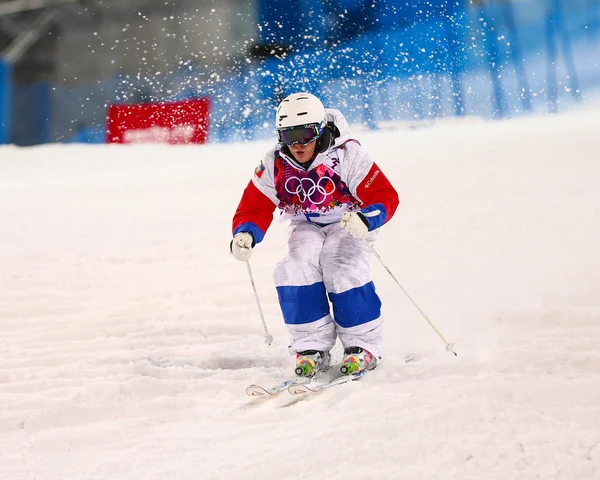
point(308, 189)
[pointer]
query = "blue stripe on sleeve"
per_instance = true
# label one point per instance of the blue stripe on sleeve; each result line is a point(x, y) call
point(377, 220)
point(356, 306)
point(252, 228)
point(304, 304)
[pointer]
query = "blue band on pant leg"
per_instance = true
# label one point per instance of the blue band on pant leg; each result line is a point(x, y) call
point(356, 306)
point(303, 304)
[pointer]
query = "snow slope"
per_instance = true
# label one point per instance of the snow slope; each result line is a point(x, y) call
point(128, 334)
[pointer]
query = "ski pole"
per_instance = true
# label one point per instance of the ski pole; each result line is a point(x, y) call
point(268, 337)
point(449, 346)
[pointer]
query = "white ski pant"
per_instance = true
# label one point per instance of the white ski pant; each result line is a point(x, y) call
point(327, 265)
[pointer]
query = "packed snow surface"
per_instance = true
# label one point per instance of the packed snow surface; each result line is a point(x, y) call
point(128, 333)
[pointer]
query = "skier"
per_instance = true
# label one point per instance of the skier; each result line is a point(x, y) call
point(335, 196)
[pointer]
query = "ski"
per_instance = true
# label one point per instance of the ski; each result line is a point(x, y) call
point(302, 385)
point(260, 391)
point(315, 387)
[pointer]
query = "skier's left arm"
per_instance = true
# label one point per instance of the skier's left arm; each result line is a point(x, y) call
point(367, 182)
point(379, 198)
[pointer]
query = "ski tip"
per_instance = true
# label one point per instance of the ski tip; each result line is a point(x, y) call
point(256, 391)
point(298, 389)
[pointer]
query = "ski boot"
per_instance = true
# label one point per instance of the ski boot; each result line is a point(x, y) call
point(357, 359)
point(310, 362)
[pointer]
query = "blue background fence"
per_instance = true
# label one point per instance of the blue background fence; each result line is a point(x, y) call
point(377, 61)
point(5, 102)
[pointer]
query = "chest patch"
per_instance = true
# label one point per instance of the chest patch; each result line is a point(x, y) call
point(318, 190)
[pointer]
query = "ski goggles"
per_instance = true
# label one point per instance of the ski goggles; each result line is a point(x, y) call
point(303, 134)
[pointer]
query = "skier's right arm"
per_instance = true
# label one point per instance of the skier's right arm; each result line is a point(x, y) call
point(254, 213)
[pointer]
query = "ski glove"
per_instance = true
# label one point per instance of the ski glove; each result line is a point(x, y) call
point(356, 224)
point(241, 246)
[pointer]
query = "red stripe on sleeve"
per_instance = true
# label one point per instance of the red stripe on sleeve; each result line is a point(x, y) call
point(376, 188)
point(254, 207)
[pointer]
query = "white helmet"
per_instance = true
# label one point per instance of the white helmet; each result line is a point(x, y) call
point(299, 109)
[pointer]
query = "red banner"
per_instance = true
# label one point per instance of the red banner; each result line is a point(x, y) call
point(174, 122)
